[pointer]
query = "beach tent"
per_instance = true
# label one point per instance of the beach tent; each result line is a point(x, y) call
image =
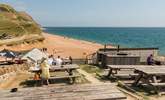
point(7, 53)
point(34, 55)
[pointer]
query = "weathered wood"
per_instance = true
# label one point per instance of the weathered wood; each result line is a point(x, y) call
point(158, 84)
point(125, 75)
point(149, 75)
point(65, 67)
point(72, 92)
point(151, 70)
point(59, 68)
point(61, 77)
point(120, 70)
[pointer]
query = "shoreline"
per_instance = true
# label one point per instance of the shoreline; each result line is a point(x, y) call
point(67, 46)
point(60, 46)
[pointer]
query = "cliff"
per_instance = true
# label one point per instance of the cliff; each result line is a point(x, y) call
point(14, 24)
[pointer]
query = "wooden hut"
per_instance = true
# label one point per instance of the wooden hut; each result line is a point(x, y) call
point(126, 56)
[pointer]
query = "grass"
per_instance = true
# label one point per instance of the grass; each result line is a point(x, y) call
point(91, 68)
point(14, 24)
point(15, 41)
point(94, 70)
point(7, 8)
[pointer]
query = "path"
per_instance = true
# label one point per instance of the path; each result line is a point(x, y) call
point(89, 77)
point(94, 80)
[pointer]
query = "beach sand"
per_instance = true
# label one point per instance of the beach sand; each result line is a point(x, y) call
point(62, 46)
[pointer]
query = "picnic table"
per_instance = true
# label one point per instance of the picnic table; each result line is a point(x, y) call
point(143, 74)
point(66, 61)
point(114, 70)
point(69, 68)
point(151, 75)
point(66, 92)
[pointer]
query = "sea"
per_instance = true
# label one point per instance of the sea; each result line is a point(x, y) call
point(138, 37)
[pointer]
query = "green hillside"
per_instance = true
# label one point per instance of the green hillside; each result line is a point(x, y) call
point(16, 24)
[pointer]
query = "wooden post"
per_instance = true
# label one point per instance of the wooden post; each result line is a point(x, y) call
point(105, 46)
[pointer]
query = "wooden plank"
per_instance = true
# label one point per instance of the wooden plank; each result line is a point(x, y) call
point(73, 94)
point(152, 70)
point(81, 92)
point(120, 66)
point(125, 75)
point(57, 68)
point(61, 77)
point(158, 84)
point(135, 66)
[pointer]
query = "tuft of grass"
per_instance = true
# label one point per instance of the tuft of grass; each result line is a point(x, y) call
point(91, 68)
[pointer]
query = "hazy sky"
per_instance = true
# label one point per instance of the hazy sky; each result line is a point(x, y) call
point(110, 13)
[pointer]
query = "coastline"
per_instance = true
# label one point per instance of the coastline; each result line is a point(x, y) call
point(60, 46)
point(65, 46)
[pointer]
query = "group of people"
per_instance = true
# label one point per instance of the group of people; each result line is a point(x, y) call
point(45, 64)
point(59, 61)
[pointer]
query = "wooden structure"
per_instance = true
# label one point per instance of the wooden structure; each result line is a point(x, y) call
point(64, 68)
point(69, 92)
point(143, 74)
point(151, 75)
point(143, 53)
point(119, 60)
point(121, 71)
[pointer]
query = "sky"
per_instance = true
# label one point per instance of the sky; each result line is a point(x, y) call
point(94, 13)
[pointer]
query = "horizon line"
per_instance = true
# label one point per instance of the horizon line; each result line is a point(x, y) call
point(107, 26)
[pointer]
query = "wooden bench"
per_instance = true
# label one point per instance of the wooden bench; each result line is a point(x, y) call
point(133, 75)
point(158, 84)
point(157, 87)
point(72, 78)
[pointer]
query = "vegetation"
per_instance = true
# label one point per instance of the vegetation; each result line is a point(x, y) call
point(91, 69)
point(16, 24)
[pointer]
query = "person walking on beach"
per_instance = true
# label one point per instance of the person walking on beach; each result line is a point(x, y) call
point(45, 75)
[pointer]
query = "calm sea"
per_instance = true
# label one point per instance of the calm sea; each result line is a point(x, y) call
point(125, 37)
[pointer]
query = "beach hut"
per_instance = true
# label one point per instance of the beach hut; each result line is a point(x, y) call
point(34, 55)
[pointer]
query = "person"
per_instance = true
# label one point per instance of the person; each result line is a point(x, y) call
point(45, 75)
point(36, 76)
point(150, 60)
point(71, 60)
point(50, 60)
point(59, 61)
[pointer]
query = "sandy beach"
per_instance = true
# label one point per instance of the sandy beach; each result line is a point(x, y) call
point(59, 45)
